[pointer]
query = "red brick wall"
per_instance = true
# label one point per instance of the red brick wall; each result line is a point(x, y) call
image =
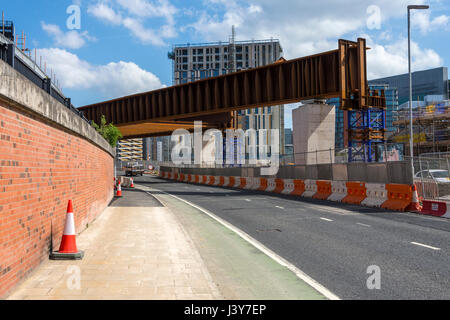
point(41, 168)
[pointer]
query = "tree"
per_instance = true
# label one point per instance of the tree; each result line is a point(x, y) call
point(108, 131)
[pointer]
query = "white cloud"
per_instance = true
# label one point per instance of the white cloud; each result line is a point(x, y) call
point(72, 39)
point(104, 12)
point(308, 27)
point(146, 36)
point(133, 15)
point(392, 59)
point(422, 20)
point(112, 80)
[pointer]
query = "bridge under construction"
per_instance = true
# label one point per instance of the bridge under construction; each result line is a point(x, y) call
point(338, 73)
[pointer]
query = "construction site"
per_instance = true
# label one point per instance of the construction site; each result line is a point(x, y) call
point(251, 177)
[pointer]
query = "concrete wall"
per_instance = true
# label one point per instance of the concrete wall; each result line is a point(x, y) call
point(48, 155)
point(313, 129)
point(390, 172)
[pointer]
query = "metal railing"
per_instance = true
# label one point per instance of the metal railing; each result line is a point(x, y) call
point(26, 66)
point(432, 177)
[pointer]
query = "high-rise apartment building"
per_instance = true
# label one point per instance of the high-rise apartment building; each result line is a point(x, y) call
point(132, 149)
point(194, 62)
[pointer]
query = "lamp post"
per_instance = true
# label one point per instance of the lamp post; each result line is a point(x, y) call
point(411, 132)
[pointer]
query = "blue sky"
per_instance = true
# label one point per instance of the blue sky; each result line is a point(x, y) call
point(121, 46)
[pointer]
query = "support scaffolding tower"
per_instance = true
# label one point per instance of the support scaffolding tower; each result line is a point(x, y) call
point(364, 109)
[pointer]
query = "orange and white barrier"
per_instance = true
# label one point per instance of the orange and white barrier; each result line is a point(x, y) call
point(376, 195)
point(310, 188)
point(338, 191)
point(249, 183)
point(323, 190)
point(216, 181)
point(389, 196)
point(279, 186)
point(399, 197)
point(271, 185)
point(231, 182)
point(288, 187)
point(263, 183)
point(237, 182)
point(243, 182)
point(356, 192)
point(299, 187)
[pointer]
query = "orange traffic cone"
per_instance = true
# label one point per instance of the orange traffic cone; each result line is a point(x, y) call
point(132, 183)
point(68, 248)
point(119, 190)
point(415, 203)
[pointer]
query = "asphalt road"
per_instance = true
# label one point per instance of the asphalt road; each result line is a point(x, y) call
point(335, 244)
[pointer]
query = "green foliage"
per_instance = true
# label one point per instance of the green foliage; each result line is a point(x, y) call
point(108, 131)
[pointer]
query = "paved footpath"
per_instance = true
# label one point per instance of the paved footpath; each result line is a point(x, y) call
point(140, 249)
point(130, 253)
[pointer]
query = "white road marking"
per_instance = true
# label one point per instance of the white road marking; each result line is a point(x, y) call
point(426, 246)
point(364, 225)
point(300, 274)
point(325, 219)
point(279, 207)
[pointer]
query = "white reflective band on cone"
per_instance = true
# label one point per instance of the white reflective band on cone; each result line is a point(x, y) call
point(69, 228)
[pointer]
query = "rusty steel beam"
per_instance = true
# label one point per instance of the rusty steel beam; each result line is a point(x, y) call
point(337, 73)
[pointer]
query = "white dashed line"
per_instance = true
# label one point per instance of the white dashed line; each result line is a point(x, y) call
point(364, 225)
point(325, 219)
point(426, 246)
point(248, 200)
point(279, 207)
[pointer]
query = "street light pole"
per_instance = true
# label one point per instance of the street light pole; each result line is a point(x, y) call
point(411, 131)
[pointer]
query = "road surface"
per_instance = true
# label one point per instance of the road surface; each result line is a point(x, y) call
point(337, 245)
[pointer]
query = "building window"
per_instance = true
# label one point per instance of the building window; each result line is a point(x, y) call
point(217, 50)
